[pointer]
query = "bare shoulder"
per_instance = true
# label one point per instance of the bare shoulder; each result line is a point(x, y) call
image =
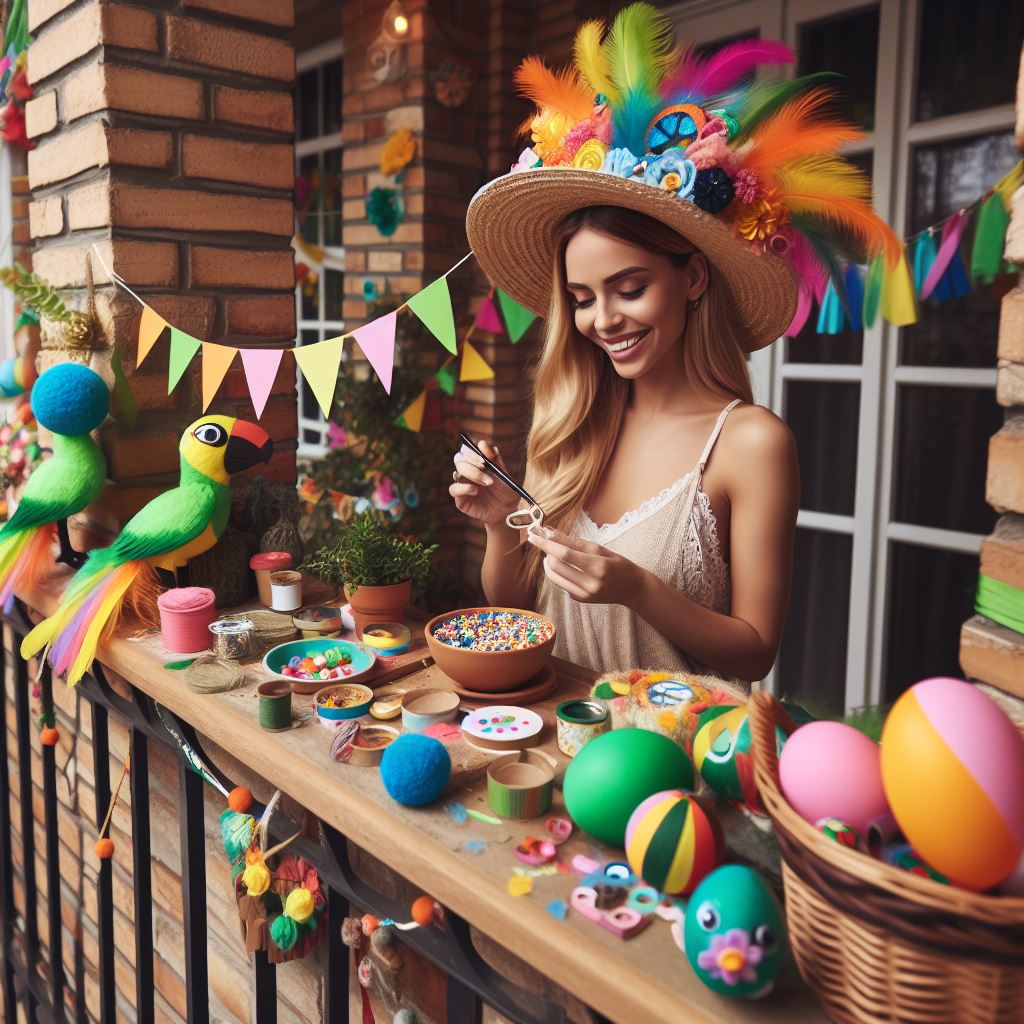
point(756, 444)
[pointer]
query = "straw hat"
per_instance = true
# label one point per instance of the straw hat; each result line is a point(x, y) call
point(749, 174)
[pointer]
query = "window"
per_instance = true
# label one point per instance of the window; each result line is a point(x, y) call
point(319, 312)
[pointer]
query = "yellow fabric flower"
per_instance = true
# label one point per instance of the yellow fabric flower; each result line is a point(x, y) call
point(762, 218)
point(397, 151)
point(590, 156)
point(299, 905)
point(256, 878)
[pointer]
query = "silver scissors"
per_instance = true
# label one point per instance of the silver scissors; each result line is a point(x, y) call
point(523, 518)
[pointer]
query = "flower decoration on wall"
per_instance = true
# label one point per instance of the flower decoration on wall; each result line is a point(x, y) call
point(398, 152)
point(452, 82)
point(384, 210)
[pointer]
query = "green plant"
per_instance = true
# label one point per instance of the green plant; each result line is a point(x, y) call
point(371, 554)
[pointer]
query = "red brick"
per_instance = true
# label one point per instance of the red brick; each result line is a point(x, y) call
point(355, 260)
point(198, 42)
point(269, 315)
point(21, 234)
point(258, 108)
point(188, 312)
point(353, 185)
point(242, 268)
point(41, 114)
point(248, 163)
point(272, 12)
point(19, 185)
point(136, 147)
point(143, 264)
point(116, 87)
point(141, 454)
point(354, 309)
point(1004, 487)
point(46, 217)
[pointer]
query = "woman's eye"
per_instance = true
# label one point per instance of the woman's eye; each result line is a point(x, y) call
point(580, 303)
point(635, 294)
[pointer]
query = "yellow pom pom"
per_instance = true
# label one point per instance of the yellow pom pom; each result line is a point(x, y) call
point(256, 879)
point(299, 905)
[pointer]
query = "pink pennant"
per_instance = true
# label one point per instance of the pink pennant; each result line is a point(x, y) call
point(487, 318)
point(260, 365)
point(803, 311)
point(377, 342)
point(952, 231)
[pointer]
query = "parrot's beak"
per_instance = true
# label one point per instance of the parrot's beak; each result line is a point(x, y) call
point(248, 444)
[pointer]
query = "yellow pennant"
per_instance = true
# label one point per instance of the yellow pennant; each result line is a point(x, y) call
point(412, 418)
point(150, 326)
point(319, 364)
point(473, 367)
point(898, 305)
point(217, 360)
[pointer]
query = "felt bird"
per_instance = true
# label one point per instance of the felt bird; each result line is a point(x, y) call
point(70, 400)
point(174, 527)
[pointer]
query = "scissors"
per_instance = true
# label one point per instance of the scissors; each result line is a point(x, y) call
point(522, 518)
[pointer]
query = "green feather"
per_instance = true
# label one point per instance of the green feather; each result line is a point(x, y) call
point(873, 290)
point(762, 99)
point(989, 240)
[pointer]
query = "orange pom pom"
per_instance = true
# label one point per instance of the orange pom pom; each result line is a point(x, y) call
point(48, 736)
point(423, 911)
point(104, 848)
point(240, 799)
point(370, 924)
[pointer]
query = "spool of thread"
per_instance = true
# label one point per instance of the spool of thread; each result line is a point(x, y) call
point(519, 786)
point(232, 638)
point(286, 590)
point(185, 617)
point(263, 565)
point(275, 710)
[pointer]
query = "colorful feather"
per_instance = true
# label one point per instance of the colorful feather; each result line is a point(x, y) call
point(592, 62)
point(701, 77)
point(559, 92)
point(24, 558)
point(762, 99)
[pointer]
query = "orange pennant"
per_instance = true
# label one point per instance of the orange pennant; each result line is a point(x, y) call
point(150, 326)
point(216, 361)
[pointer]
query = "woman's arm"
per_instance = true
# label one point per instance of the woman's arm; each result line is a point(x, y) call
point(501, 572)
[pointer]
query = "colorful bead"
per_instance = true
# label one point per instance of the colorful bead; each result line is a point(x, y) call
point(493, 631)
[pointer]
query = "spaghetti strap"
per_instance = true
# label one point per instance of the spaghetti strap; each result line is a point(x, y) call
point(706, 454)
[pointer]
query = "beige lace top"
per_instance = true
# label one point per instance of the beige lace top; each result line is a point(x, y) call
point(675, 536)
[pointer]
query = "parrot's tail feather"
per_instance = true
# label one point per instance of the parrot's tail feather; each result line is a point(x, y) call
point(24, 558)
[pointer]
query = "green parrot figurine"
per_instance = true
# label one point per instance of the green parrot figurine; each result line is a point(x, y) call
point(163, 535)
point(70, 400)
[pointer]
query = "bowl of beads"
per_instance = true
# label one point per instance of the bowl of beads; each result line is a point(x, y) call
point(347, 700)
point(310, 665)
point(490, 650)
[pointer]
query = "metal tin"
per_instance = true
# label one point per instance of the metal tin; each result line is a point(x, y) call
point(233, 638)
point(577, 722)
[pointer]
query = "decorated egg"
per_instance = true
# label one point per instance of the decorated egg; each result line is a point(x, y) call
point(672, 841)
point(735, 933)
point(953, 770)
point(614, 773)
point(721, 753)
point(839, 832)
point(831, 770)
point(8, 381)
point(677, 125)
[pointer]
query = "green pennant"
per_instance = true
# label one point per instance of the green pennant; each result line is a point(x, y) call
point(517, 318)
point(989, 239)
point(873, 290)
point(445, 378)
point(183, 348)
point(433, 306)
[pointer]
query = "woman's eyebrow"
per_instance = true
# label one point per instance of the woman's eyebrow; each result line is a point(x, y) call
point(609, 280)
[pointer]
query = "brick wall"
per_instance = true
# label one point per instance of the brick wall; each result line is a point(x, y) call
point(164, 136)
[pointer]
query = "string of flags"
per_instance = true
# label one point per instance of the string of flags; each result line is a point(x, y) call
point(969, 252)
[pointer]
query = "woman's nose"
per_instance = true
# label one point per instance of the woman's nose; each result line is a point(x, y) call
point(607, 320)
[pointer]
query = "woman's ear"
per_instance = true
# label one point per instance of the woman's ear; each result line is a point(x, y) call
point(696, 276)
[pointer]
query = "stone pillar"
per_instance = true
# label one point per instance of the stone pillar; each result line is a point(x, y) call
point(991, 652)
point(164, 136)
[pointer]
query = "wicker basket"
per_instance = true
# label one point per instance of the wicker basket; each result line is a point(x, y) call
point(876, 944)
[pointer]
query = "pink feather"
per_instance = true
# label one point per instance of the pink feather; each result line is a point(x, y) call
point(806, 264)
point(701, 77)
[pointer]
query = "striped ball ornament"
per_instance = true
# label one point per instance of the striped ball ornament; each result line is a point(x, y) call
point(672, 841)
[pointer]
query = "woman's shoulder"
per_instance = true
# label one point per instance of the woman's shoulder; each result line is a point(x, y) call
point(754, 438)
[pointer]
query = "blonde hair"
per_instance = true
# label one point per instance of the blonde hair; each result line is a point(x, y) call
point(579, 401)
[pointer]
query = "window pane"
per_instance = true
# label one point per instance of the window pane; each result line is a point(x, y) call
point(308, 122)
point(810, 347)
point(334, 292)
point(968, 55)
point(307, 201)
point(824, 417)
point(812, 661)
point(847, 44)
point(332, 98)
point(308, 408)
point(931, 594)
point(941, 457)
point(954, 332)
point(331, 197)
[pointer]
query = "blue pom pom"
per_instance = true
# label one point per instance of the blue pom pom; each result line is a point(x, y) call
point(415, 769)
point(70, 399)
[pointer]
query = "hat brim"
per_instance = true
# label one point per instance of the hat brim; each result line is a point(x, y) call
point(511, 225)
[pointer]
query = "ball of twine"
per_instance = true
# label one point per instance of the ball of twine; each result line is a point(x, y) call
point(210, 674)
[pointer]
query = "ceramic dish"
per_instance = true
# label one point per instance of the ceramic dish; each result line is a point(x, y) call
point(423, 708)
point(503, 727)
point(362, 662)
point(317, 620)
point(353, 700)
point(387, 638)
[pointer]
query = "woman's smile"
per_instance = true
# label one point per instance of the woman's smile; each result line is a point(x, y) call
point(624, 346)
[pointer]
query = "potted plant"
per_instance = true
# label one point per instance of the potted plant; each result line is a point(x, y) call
point(377, 566)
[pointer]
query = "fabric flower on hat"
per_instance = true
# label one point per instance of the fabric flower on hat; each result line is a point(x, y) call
point(710, 151)
point(749, 187)
point(590, 156)
point(763, 218)
point(712, 190)
point(671, 171)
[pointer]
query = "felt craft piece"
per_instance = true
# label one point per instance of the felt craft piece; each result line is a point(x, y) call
point(183, 349)
point(260, 366)
point(433, 306)
point(174, 527)
point(517, 318)
point(319, 364)
point(70, 400)
point(473, 366)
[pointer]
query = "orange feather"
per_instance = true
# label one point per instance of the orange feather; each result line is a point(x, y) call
point(558, 91)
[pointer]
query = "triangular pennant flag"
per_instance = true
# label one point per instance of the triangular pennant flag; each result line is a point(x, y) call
point(260, 365)
point(854, 296)
point(487, 317)
point(473, 365)
point(433, 306)
point(989, 239)
point(873, 290)
point(150, 326)
point(412, 418)
point(377, 341)
point(831, 319)
point(445, 378)
point(319, 364)
point(216, 361)
point(517, 318)
point(898, 305)
point(183, 348)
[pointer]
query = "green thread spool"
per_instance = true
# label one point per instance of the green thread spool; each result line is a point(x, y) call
point(275, 709)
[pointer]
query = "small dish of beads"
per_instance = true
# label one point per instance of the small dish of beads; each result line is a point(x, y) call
point(493, 631)
point(335, 703)
point(310, 665)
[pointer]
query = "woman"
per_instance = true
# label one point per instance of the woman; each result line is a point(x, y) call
point(670, 498)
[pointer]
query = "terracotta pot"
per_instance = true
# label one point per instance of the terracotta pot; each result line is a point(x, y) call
point(379, 604)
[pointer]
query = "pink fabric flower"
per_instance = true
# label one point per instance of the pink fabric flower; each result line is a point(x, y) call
point(336, 437)
point(749, 187)
point(714, 126)
point(735, 945)
point(578, 134)
point(710, 152)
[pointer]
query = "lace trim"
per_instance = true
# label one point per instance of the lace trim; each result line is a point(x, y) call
point(609, 531)
point(711, 522)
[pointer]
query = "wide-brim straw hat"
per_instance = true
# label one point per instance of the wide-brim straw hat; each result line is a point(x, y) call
point(512, 222)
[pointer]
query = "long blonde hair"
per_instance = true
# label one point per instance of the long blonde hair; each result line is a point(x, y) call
point(579, 401)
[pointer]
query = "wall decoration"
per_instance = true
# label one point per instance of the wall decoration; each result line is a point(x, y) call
point(452, 82)
point(398, 152)
point(385, 210)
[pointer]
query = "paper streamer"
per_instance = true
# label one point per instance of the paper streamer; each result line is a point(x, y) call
point(320, 363)
point(952, 231)
point(183, 349)
point(989, 239)
point(377, 342)
point(260, 366)
point(898, 303)
point(217, 359)
point(433, 306)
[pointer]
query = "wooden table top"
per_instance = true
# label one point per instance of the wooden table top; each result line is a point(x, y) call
point(645, 978)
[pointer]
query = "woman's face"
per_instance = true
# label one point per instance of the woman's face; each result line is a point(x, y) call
point(630, 302)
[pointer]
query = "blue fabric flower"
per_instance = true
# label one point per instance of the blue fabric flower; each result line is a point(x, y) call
point(712, 190)
point(620, 162)
point(672, 162)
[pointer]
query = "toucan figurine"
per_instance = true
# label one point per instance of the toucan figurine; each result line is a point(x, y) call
point(163, 535)
point(70, 400)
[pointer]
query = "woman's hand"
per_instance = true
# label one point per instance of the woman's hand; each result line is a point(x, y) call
point(477, 494)
point(586, 571)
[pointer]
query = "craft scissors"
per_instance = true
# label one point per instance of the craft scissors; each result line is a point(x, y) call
point(522, 518)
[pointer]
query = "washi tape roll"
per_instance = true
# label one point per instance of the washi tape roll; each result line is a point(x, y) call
point(423, 708)
point(577, 722)
point(387, 638)
point(520, 785)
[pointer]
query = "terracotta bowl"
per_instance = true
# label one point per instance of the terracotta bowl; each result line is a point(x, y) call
point(488, 671)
